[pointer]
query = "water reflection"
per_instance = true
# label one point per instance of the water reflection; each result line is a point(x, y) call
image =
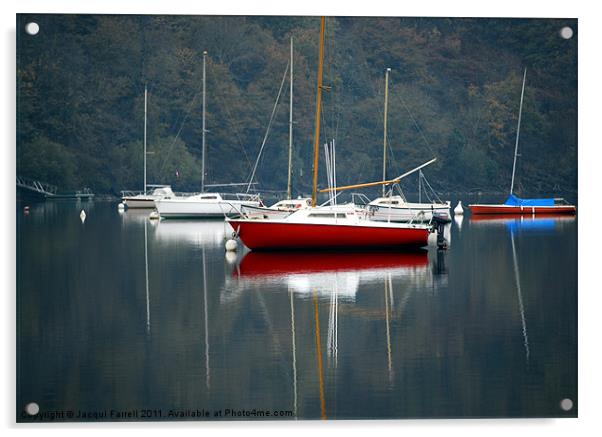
point(45, 212)
point(529, 223)
point(327, 273)
point(458, 219)
point(519, 292)
point(124, 311)
point(205, 233)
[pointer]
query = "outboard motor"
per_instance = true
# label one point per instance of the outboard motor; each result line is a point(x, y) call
point(439, 225)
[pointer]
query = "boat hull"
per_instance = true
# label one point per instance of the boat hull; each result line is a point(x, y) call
point(266, 235)
point(176, 208)
point(522, 210)
point(142, 203)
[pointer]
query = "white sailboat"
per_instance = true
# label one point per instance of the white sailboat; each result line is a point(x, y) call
point(146, 198)
point(396, 208)
point(204, 205)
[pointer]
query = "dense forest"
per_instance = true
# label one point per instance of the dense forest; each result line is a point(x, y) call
point(454, 93)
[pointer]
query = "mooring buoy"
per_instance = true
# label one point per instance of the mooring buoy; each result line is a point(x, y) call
point(459, 210)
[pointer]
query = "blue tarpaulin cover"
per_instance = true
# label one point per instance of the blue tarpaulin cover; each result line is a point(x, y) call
point(517, 201)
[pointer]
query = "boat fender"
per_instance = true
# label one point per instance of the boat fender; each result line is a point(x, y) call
point(231, 245)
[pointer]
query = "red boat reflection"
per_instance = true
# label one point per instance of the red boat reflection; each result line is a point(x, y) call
point(496, 218)
point(292, 263)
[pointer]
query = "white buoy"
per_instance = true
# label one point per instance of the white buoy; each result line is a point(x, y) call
point(154, 215)
point(120, 206)
point(458, 210)
point(231, 245)
point(82, 216)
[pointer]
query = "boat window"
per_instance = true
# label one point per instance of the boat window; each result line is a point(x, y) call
point(209, 197)
point(328, 215)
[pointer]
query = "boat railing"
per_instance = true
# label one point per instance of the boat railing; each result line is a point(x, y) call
point(240, 196)
point(132, 193)
point(360, 199)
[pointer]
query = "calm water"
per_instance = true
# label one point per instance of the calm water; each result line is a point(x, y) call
point(121, 313)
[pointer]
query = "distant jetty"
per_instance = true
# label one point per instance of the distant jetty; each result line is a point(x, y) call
point(44, 190)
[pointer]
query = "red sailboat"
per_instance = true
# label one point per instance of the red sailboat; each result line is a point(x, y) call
point(327, 227)
point(338, 226)
point(516, 205)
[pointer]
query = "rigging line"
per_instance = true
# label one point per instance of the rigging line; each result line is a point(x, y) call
point(331, 67)
point(435, 195)
point(415, 123)
point(324, 124)
point(267, 132)
point(184, 119)
point(391, 153)
point(221, 99)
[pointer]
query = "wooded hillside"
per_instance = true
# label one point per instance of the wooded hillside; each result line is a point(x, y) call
point(454, 93)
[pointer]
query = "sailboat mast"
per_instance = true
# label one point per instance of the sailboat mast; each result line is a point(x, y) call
point(145, 102)
point(289, 190)
point(385, 129)
point(520, 113)
point(203, 135)
point(318, 114)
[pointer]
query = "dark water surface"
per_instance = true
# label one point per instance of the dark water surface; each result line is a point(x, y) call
point(120, 314)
